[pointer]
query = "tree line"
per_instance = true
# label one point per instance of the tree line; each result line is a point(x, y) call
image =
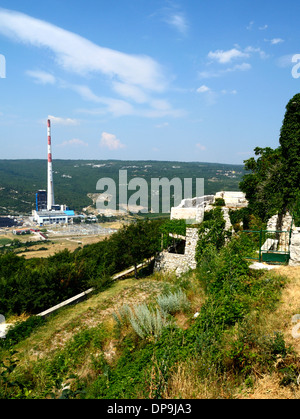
point(34, 285)
point(272, 178)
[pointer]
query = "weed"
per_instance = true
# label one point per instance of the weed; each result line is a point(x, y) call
point(173, 302)
point(146, 322)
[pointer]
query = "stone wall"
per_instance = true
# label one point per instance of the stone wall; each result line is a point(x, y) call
point(285, 224)
point(295, 248)
point(276, 223)
point(233, 199)
point(192, 209)
point(179, 264)
point(178, 213)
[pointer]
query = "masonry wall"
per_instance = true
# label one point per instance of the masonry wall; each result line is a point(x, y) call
point(295, 248)
point(179, 264)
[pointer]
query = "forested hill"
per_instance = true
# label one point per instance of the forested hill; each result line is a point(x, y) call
point(75, 179)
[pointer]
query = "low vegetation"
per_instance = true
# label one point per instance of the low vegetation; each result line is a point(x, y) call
point(155, 346)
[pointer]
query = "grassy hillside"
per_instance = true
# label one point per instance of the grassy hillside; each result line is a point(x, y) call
point(239, 345)
point(75, 179)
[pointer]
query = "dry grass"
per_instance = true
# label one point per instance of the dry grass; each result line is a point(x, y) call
point(90, 313)
point(268, 386)
point(59, 245)
point(186, 383)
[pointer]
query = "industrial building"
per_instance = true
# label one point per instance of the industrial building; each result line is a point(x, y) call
point(47, 212)
point(41, 201)
point(50, 217)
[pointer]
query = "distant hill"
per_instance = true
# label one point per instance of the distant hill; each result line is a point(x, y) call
point(75, 179)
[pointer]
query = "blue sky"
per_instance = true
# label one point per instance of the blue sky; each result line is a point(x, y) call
point(188, 80)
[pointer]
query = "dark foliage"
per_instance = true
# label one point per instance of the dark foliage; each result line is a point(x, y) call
point(31, 286)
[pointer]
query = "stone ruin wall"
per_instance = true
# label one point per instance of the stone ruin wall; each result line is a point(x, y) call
point(172, 262)
point(295, 248)
point(194, 209)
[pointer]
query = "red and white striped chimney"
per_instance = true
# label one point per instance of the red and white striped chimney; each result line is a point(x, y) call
point(50, 194)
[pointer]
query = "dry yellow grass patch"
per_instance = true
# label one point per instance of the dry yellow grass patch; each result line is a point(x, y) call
point(268, 387)
point(90, 313)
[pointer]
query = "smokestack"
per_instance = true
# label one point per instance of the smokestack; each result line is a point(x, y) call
point(50, 195)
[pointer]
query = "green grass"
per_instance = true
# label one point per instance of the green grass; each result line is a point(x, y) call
point(139, 338)
point(4, 241)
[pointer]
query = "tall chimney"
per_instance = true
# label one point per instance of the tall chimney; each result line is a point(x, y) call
point(50, 195)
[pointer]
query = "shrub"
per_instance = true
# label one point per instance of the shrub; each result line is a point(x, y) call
point(146, 322)
point(173, 302)
point(211, 232)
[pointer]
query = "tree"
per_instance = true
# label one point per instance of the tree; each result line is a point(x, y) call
point(139, 241)
point(290, 151)
point(272, 181)
point(262, 183)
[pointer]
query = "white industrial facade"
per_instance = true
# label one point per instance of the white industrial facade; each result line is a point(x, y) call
point(50, 217)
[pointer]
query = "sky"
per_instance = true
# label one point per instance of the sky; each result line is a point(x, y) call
point(175, 80)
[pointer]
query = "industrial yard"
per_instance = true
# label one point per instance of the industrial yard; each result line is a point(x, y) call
point(57, 238)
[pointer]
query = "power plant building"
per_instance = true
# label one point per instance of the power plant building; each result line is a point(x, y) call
point(51, 217)
point(46, 212)
point(41, 201)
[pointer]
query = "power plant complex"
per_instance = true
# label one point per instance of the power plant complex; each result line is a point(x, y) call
point(46, 211)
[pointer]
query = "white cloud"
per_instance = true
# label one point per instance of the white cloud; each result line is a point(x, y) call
point(224, 57)
point(84, 91)
point(62, 121)
point(110, 141)
point(212, 96)
point(263, 28)
point(276, 41)
point(130, 91)
point(42, 77)
point(253, 50)
point(178, 21)
point(238, 67)
point(74, 142)
point(81, 56)
point(173, 15)
point(209, 95)
point(137, 79)
point(227, 57)
point(203, 89)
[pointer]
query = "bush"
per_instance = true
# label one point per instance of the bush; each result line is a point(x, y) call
point(146, 322)
point(211, 232)
point(173, 302)
point(22, 331)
